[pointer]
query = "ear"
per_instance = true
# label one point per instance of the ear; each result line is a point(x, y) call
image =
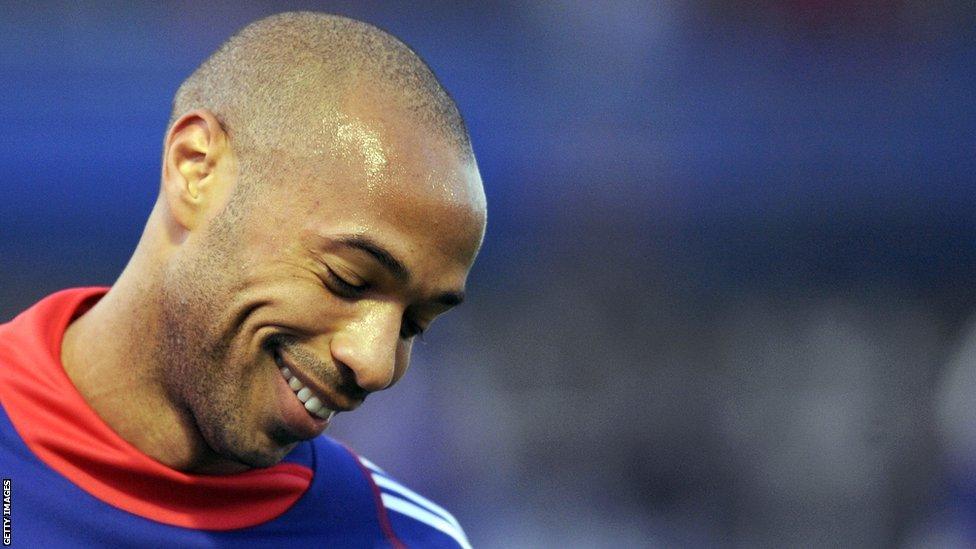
point(199, 168)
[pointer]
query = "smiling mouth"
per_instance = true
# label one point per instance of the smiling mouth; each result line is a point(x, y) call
point(304, 395)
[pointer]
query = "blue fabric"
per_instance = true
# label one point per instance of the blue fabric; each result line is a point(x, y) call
point(338, 509)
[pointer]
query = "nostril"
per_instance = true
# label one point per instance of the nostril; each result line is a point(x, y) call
point(346, 374)
point(348, 383)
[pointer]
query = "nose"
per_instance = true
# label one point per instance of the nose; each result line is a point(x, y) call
point(368, 345)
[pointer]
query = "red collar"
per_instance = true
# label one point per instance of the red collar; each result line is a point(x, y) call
point(61, 429)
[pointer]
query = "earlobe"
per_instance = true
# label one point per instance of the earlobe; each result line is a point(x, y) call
point(195, 146)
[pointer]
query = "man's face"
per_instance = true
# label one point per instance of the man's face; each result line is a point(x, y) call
point(317, 284)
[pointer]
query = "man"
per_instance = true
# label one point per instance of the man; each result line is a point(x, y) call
point(319, 206)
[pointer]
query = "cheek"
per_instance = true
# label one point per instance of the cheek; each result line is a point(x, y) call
point(402, 360)
point(305, 305)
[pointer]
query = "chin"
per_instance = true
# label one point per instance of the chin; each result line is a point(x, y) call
point(260, 460)
point(261, 453)
point(251, 451)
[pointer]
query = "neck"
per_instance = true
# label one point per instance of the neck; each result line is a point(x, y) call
point(109, 356)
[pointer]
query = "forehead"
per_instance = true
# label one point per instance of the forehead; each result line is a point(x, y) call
point(379, 173)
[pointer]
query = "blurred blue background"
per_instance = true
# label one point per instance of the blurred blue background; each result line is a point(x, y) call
point(723, 298)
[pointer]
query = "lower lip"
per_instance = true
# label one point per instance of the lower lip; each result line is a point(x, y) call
point(299, 421)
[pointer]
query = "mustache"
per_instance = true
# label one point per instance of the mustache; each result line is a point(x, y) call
point(341, 377)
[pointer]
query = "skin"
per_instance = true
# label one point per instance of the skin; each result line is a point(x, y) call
point(179, 357)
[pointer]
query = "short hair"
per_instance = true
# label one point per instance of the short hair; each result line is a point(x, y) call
point(284, 75)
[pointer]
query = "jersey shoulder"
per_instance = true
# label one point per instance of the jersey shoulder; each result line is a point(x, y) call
point(415, 520)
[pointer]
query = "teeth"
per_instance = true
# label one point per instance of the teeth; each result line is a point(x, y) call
point(304, 394)
point(313, 404)
point(324, 413)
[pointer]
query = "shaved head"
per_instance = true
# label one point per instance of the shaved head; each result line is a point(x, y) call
point(319, 207)
point(283, 85)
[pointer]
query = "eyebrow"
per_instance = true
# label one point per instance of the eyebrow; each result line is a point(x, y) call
point(392, 264)
point(380, 254)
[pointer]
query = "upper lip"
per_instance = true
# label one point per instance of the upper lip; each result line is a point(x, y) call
point(332, 400)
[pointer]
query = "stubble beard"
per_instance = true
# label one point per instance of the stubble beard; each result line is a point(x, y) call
point(208, 384)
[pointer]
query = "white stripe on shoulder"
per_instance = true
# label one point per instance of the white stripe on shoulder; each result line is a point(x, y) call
point(404, 507)
point(370, 465)
point(394, 486)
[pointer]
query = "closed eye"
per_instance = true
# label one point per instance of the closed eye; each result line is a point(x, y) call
point(344, 288)
point(409, 328)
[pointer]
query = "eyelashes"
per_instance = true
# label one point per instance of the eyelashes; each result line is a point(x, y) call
point(344, 288)
point(411, 329)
